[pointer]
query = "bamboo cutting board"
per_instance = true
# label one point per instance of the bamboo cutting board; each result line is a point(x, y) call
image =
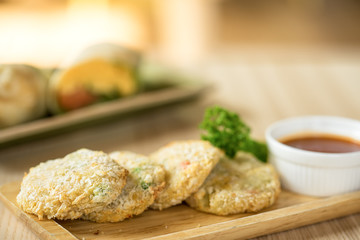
point(182, 222)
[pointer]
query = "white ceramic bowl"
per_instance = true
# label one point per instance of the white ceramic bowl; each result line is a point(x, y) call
point(315, 173)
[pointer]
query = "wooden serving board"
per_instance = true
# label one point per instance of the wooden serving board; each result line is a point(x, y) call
point(182, 222)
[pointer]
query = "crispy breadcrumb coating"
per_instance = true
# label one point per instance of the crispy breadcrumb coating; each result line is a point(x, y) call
point(144, 182)
point(187, 164)
point(237, 185)
point(82, 182)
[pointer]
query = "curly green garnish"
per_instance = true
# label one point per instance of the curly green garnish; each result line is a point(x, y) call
point(225, 130)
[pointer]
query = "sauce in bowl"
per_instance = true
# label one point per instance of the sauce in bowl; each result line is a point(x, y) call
point(325, 143)
point(316, 155)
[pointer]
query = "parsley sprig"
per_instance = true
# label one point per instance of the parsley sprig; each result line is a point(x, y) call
point(225, 130)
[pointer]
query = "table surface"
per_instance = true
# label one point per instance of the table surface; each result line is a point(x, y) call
point(262, 86)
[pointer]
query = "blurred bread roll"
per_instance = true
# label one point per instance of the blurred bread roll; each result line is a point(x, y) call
point(99, 73)
point(22, 94)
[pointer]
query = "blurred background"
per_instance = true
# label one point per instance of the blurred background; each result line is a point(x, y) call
point(242, 47)
point(180, 32)
point(266, 60)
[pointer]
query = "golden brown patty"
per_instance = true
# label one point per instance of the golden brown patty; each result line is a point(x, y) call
point(239, 185)
point(143, 184)
point(82, 182)
point(187, 164)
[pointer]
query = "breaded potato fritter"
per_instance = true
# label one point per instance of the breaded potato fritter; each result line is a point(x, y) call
point(187, 164)
point(144, 182)
point(238, 185)
point(82, 182)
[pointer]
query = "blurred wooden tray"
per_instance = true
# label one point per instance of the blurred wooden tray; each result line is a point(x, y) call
point(182, 222)
point(100, 112)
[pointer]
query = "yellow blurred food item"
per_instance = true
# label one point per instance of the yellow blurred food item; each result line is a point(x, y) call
point(22, 94)
point(100, 73)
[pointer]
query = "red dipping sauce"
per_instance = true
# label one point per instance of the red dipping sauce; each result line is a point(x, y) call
point(322, 142)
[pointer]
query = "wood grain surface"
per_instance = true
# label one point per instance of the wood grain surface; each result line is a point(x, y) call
point(182, 222)
point(262, 86)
